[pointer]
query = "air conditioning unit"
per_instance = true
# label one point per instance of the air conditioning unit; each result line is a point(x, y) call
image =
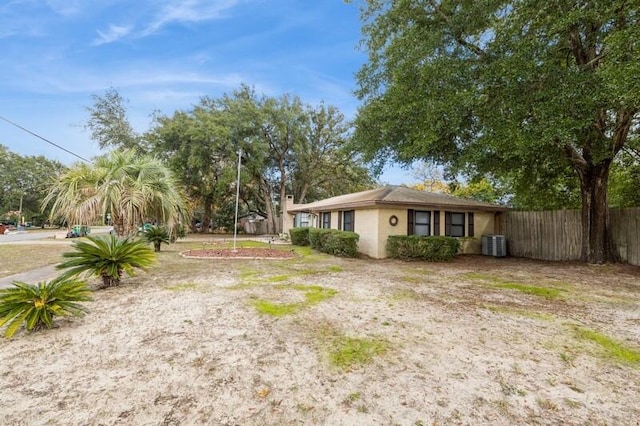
point(494, 245)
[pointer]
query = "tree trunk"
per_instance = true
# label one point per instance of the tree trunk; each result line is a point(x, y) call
point(156, 246)
point(596, 242)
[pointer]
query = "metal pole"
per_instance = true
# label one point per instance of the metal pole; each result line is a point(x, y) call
point(235, 225)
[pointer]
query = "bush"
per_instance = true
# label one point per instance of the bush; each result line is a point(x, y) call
point(335, 242)
point(299, 236)
point(339, 243)
point(415, 247)
point(35, 305)
point(156, 235)
point(318, 236)
point(107, 257)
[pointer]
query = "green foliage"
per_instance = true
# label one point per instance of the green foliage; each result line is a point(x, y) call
point(107, 257)
point(335, 242)
point(611, 347)
point(287, 146)
point(545, 292)
point(340, 243)
point(536, 95)
point(299, 236)
point(36, 305)
point(108, 122)
point(156, 235)
point(132, 188)
point(313, 295)
point(349, 352)
point(24, 178)
point(480, 190)
point(415, 247)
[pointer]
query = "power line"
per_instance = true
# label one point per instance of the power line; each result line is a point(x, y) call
point(44, 139)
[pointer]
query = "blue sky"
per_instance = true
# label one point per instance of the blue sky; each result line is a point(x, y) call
point(163, 55)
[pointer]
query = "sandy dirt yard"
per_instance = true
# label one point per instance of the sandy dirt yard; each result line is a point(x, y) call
point(321, 340)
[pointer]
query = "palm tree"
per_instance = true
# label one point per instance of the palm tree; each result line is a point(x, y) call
point(35, 305)
point(132, 188)
point(107, 257)
point(156, 235)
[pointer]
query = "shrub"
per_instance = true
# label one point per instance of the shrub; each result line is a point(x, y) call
point(415, 247)
point(108, 258)
point(35, 305)
point(156, 235)
point(339, 243)
point(318, 236)
point(299, 236)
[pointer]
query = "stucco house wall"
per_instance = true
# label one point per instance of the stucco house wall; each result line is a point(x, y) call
point(373, 210)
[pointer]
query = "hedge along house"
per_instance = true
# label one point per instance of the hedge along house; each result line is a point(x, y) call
point(396, 210)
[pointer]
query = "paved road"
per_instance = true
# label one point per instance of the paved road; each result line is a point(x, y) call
point(16, 237)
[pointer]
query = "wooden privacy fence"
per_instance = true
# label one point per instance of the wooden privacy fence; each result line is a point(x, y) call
point(557, 235)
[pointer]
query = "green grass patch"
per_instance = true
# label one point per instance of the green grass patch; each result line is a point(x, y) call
point(534, 290)
point(278, 278)
point(313, 295)
point(348, 352)
point(401, 295)
point(276, 309)
point(611, 347)
point(475, 276)
point(545, 292)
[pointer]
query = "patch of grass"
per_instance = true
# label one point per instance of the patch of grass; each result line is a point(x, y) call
point(13, 256)
point(348, 352)
point(278, 278)
point(611, 348)
point(276, 309)
point(545, 292)
point(335, 268)
point(182, 287)
point(411, 279)
point(313, 295)
point(482, 277)
point(534, 290)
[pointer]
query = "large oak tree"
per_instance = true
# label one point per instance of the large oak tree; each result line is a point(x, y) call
point(523, 89)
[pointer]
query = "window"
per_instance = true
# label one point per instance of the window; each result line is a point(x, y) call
point(326, 220)
point(421, 223)
point(304, 220)
point(454, 224)
point(418, 222)
point(348, 219)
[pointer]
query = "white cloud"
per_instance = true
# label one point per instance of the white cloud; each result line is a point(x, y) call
point(115, 32)
point(186, 11)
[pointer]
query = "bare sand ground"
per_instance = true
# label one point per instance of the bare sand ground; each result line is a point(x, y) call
point(185, 345)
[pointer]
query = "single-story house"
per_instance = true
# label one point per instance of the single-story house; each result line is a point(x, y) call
point(397, 210)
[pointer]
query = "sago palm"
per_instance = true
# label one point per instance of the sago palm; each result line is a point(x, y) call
point(107, 257)
point(35, 305)
point(156, 235)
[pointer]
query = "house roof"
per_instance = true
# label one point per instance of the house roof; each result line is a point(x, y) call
point(394, 196)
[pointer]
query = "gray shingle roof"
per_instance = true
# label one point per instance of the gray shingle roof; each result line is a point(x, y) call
point(395, 196)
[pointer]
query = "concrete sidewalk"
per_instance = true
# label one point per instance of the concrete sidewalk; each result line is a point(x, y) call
point(33, 276)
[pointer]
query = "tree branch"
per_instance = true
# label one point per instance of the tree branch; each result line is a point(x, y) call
point(457, 37)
